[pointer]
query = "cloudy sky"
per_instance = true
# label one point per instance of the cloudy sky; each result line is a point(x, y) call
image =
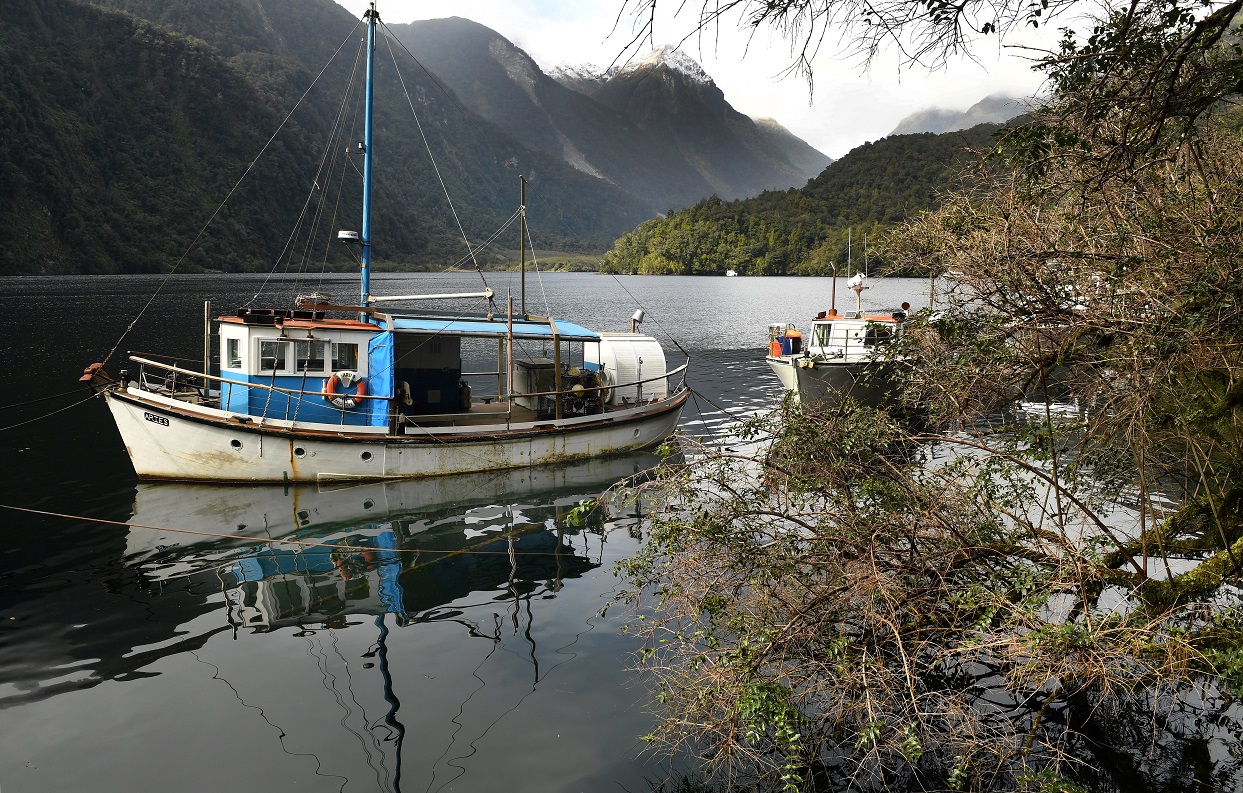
point(849, 106)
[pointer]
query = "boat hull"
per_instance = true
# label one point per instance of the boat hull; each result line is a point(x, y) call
point(168, 441)
point(819, 381)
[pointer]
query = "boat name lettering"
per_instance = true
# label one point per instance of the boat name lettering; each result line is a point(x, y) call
point(155, 419)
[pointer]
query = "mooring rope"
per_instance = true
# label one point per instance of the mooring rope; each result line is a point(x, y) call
point(302, 543)
point(46, 415)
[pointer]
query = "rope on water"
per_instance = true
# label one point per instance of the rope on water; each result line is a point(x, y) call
point(46, 415)
point(42, 399)
point(302, 543)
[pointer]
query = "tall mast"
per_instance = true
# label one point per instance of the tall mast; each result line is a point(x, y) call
point(522, 241)
point(372, 17)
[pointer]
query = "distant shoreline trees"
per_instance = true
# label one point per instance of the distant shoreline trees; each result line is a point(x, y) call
point(837, 218)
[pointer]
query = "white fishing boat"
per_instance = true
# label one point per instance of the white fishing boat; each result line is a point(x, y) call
point(328, 390)
point(844, 354)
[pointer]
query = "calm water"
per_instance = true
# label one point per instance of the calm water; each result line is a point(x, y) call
point(135, 657)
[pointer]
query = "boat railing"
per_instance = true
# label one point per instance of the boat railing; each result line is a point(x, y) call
point(569, 392)
point(188, 389)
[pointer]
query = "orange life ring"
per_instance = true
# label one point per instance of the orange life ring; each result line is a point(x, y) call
point(774, 348)
point(345, 380)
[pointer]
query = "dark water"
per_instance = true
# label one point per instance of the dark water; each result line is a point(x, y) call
point(452, 638)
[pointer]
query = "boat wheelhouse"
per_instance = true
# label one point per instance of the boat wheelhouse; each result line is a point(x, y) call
point(842, 354)
point(322, 391)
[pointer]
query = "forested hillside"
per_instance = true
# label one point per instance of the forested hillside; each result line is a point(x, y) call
point(112, 153)
point(805, 231)
point(122, 128)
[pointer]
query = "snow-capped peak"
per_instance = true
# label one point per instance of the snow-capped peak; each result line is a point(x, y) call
point(675, 59)
point(580, 71)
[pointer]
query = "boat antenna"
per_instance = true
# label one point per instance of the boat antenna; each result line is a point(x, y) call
point(522, 242)
point(372, 17)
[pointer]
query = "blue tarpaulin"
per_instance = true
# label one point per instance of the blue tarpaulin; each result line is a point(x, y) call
point(380, 376)
point(567, 331)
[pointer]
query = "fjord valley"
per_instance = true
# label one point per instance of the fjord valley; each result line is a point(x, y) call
point(128, 122)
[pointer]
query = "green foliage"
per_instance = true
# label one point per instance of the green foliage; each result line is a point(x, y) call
point(121, 135)
point(806, 231)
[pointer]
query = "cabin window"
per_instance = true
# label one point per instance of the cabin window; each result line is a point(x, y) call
point(273, 356)
point(824, 335)
point(876, 335)
point(344, 356)
point(310, 355)
point(233, 354)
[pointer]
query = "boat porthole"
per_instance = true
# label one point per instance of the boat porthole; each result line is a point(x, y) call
point(235, 443)
point(366, 457)
point(636, 433)
point(298, 451)
point(368, 504)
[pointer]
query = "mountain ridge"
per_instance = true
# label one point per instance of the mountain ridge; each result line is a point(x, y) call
point(706, 146)
point(992, 109)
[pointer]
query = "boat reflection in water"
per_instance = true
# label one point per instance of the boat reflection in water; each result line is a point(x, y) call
point(470, 586)
point(310, 554)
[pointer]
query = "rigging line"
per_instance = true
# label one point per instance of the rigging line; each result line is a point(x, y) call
point(467, 114)
point(41, 399)
point(340, 193)
point(46, 415)
point(538, 275)
point(227, 197)
point(654, 318)
point(427, 144)
point(325, 172)
point(489, 241)
point(715, 405)
point(331, 147)
point(336, 204)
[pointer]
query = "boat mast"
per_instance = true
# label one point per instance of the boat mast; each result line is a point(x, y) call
point(522, 242)
point(372, 17)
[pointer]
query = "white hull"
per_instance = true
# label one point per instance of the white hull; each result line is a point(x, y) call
point(828, 381)
point(170, 440)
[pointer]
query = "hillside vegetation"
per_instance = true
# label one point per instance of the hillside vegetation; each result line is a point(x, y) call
point(123, 128)
point(805, 231)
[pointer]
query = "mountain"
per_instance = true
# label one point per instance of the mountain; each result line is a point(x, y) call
point(671, 98)
point(807, 231)
point(118, 138)
point(992, 109)
point(799, 152)
point(125, 123)
point(501, 83)
point(606, 125)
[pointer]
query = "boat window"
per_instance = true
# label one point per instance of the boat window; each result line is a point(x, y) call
point(876, 335)
point(310, 355)
point(233, 354)
point(273, 355)
point(344, 356)
point(823, 335)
